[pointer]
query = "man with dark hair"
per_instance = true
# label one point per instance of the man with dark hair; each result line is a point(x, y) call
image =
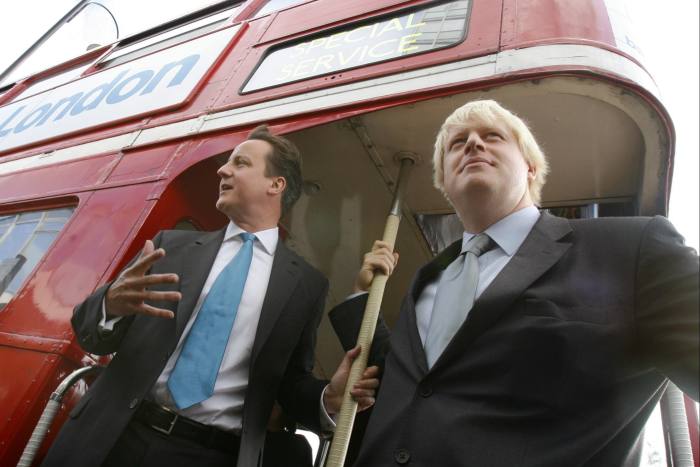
point(533, 341)
point(209, 336)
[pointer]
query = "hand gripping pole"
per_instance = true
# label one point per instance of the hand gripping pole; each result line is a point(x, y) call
point(348, 409)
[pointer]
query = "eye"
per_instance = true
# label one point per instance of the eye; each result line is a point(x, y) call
point(493, 135)
point(240, 162)
point(457, 142)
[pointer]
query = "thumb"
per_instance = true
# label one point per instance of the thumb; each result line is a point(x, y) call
point(350, 356)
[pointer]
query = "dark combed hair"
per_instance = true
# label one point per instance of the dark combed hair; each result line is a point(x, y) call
point(283, 161)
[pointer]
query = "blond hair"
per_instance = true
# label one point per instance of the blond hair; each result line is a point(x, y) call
point(490, 112)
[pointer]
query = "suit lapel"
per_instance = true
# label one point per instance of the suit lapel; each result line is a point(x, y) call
point(542, 248)
point(196, 265)
point(284, 277)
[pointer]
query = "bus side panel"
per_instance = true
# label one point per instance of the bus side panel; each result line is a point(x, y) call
point(527, 23)
point(35, 375)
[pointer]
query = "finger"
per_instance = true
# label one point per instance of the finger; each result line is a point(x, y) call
point(152, 279)
point(383, 252)
point(352, 354)
point(366, 384)
point(365, 403)
point(359, 392)
point(371, 372)
point(381, 264)
point(152, 295)
point(149, 310)
point(145, 262)
point(148, 248)
point(380, 244)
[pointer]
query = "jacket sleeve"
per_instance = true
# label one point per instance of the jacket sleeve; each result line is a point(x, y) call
point(300, 392)
point(87, 315)
point(346, 319)
point(666, 304)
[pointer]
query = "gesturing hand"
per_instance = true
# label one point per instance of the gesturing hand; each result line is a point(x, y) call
point(128, 293)
point(363, 391)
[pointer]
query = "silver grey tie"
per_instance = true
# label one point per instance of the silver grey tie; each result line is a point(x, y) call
point(454, 297)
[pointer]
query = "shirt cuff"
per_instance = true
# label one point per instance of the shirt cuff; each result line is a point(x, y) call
point(353, 295)
point(107, 326)
point(327, 421)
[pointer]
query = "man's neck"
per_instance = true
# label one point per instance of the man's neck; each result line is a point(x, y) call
point(477, 219)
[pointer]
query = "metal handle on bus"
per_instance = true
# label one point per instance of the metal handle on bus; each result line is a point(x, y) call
point(348, 409)
point(679, 452)
point(49, 413)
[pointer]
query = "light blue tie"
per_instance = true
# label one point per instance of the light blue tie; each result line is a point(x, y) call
point(455, 297)
point(197, 367)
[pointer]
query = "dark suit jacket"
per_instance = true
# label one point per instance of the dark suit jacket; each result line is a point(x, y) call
point(281, 362)
point(560, 361)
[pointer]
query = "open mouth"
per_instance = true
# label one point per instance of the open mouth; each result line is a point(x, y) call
point(224, 187)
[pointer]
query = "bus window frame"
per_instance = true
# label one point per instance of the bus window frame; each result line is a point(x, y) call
point(263, 4)
point(330, 31)
point(64, 201)
point(97, 56)
point(105, 63)
point(18, 88)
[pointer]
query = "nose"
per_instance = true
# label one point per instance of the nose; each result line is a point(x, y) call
point(474, 142)
point(223, 171)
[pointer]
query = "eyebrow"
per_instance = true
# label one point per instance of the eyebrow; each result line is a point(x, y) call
point(233, 157)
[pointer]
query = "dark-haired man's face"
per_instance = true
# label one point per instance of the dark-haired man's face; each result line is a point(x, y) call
point(243, 183)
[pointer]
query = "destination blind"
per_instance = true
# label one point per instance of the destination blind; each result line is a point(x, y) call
point(399, 36)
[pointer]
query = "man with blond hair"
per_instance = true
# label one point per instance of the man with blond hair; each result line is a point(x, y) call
point(534, 340)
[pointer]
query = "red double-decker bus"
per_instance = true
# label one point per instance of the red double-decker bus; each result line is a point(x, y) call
point(113, 124)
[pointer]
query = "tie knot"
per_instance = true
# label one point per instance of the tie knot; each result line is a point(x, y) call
point(247, 237)
point(478, 244)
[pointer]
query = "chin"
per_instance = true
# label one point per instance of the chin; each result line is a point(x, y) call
point(222, 206)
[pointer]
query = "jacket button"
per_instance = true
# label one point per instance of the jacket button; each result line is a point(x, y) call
point(133, 403)
point(402, 456)
point(426, 390)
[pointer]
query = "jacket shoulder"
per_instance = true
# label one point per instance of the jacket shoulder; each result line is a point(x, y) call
point(308, 270)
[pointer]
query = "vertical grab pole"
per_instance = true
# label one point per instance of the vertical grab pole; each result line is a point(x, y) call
point(348, 409)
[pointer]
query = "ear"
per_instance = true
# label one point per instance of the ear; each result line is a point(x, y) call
point(277, 186)
point(531, 173)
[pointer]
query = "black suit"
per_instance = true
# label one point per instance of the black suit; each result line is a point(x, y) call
point(560, 361)
point(281, 360)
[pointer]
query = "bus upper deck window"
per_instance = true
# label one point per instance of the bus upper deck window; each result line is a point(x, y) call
point(101, 22)
point(90, 26)
point(274, 5)
point(406, 32)
point(169, 34)
point(24, 240)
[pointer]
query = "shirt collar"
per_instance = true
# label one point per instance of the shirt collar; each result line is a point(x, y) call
point(510, 232)
point(267, 238)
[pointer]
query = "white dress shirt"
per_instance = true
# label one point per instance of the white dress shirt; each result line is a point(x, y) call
point(224, 409)
point(508, 234)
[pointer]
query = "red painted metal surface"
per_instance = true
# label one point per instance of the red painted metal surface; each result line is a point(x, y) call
point(531, 22)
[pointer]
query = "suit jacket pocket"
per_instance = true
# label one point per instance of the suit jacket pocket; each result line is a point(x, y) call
point(80, 406)
point(585, 313)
